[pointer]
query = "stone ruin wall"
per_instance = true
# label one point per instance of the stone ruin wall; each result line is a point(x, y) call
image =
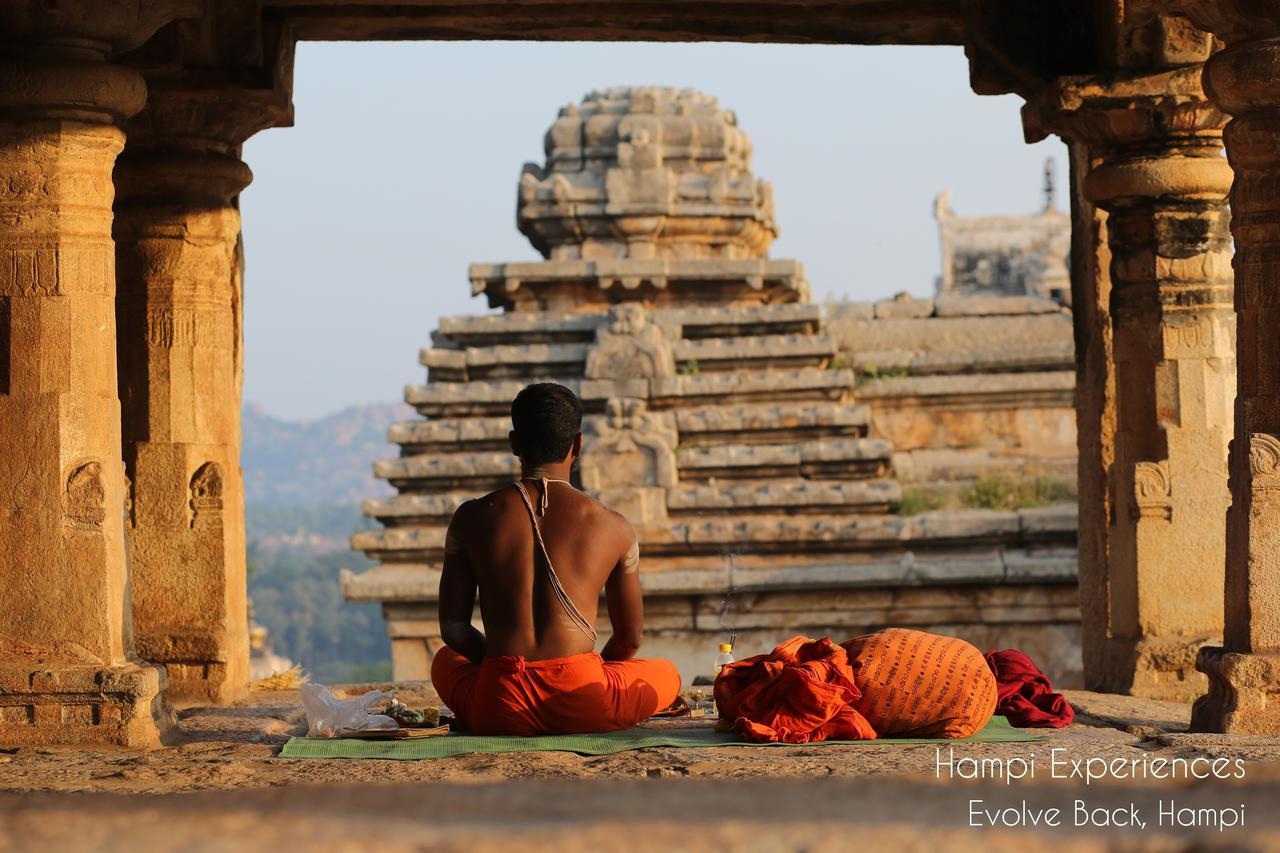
point(1018, 255)
point(967, 387)
point(724, 415)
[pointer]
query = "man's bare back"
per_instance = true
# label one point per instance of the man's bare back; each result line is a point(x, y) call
point(536, 671)
point(491, 549)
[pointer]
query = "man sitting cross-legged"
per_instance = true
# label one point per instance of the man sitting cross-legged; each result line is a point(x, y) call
point(539, 552)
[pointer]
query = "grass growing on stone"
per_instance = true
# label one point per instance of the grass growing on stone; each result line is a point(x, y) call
point(918, 499)
point(1006, 493)
point(1000, 492)
point(869, 372)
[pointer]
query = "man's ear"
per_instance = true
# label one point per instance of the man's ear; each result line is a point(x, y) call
point(515, 443)
point(575, 450)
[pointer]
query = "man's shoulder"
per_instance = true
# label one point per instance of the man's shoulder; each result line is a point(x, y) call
point(474, 507)
point(610, 517)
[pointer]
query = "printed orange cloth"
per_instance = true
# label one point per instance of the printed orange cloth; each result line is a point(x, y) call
point(579, 694)
point(916, 684)
point(801, 692)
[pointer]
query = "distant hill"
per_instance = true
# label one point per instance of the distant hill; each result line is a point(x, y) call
point(324, 461)
point(304, 482)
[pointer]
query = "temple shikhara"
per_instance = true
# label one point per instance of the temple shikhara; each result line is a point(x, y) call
point(748, 437)
point(1073, 447)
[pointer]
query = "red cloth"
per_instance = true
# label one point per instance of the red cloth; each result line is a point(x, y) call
point(1024, 694)
point(801, 692)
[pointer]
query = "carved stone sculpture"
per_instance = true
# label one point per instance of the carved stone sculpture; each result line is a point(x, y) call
point(630, 347)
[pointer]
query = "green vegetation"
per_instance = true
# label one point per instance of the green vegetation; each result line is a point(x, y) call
point(687, 368)
point(1006, 493)
point(295, 555)
point(870, 372)
point(370, 673)
point(990, 492)
point(917, 499)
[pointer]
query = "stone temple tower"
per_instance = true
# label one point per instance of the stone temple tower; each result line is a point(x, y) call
point(719, 418)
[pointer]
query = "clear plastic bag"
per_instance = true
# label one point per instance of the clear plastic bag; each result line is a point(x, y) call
point(329, 716)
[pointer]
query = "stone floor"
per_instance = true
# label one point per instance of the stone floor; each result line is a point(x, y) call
point(219, 786)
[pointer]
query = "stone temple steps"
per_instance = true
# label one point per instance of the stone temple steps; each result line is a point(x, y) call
point(753, 438)
point(481, 398)
point(1049, 533)
point(835, 458)
point(741, 497)
point(759, 496)
point(568, 360)
point(746, 423)
point(838, 458)
point(542, 327)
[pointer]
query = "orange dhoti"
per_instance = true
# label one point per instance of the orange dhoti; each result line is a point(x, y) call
point(580, 694)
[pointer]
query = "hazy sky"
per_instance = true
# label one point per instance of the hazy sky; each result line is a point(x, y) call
point(402, 169)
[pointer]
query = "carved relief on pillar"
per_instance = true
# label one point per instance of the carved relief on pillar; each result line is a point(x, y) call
point(631, 346)
point(1264, 461)
point(629, 460)
point(84, 511)
point(206, 497)
point(1152, 490)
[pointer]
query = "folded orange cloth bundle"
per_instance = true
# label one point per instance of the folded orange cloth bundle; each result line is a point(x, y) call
point(801, 692)
point(916, 684)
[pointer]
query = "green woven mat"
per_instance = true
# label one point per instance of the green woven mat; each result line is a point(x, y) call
point(641, 737)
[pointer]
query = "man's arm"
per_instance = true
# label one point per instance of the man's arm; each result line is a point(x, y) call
point(625, 603)
point(458, 595)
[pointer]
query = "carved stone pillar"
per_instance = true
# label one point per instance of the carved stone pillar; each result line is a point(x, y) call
point(1095, 415)
point(1244, 674)
point(1159, 173)
point(67, 673)
point(179, 310)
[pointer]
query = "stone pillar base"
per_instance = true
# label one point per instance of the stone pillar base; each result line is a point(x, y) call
point(77, 704)
point(1166, 669)
point(198, 666)
point(1161, 668)
point(1244, 693)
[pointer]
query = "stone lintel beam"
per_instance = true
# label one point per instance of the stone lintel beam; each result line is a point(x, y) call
point(179, 311)
point(100, 26)
point(1156, 167)
point(1243, 80)
point(775, 21)
point(67, 667)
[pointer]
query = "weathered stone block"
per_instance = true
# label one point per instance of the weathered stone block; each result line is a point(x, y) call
point(994, 306)
point(70, 704)
point(1244, 693)
point(898, 309)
